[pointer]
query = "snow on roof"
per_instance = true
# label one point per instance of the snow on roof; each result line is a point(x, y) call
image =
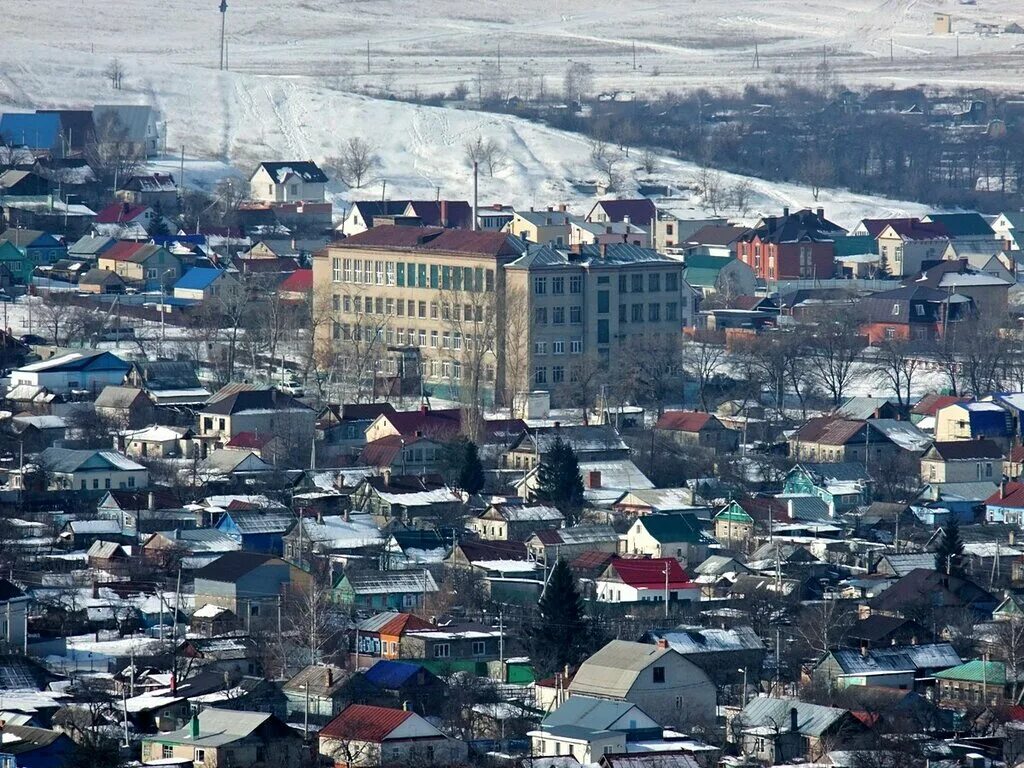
point(209, 611)
point(507, 566)
point(420, 498)
point(156, 433)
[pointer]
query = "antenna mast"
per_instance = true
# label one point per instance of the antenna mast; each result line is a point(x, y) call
point(223, 16)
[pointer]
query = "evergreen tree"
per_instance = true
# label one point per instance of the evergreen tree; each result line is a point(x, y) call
point(471, 474)
point(559, 634)
point(464, 466)
point(949, 558)
point(883, 270)
point(157, 225)
point(559, 482)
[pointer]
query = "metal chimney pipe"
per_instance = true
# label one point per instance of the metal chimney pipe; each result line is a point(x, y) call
point(476, 198)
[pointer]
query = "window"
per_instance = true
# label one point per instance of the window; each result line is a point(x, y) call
point(637, 313)
point(558, 347)
point(390, 272)
point(166, 751)
point(671, 281)
point(654, 282)
point(446, 340)
point(540, 348)
point(479, 648)
point(96, 482)
point(671, 311)
point(540, 375)
point(378, 272)
point(890, 333)
point(557, 374)
point(659, 674)
point(602, 302)
point(200, 755)
point(433, 339)
point(623, 284)
point(254, 610)
point(654, 313)
point(576, 284)
point(433, 310)
point(422, 309)
point(540, 316)
point(558, 315)
point(434, 276)
point(636, 283)
point(679, 702)
point(540, 285)
point(576, 346)
point(336, 270)
point(602, 332)
point(557, 285)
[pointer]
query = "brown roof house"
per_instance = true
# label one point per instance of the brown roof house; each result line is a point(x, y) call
point(695, 428)
point(825, 439)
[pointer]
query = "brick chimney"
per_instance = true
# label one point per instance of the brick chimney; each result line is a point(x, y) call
point(821, 213)
point(785, 211)
point(444, 213)
point(662, 643)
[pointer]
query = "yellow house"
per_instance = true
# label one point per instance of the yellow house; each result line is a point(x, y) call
point(152, 265)
point(549, 226)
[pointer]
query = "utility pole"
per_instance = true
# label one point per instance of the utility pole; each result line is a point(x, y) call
point(223, 18)
point(757, 57)
point(666, 589)
point(181, 174)
point(634, 55)
point(890, 49)
point(367, 57)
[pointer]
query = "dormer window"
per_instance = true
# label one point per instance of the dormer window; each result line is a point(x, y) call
point(895, 310)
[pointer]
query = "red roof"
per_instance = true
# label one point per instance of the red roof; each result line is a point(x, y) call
point(119, 213)
point(122, 250)
point(383, 452)
point(434, 239)
point(404, 622)
point(251, 440)
point(299, 281)
point(683, 421)
point(828, 430)
point(650, 573)
point(1017, 454)
point(1009, 495)
point(446, 422)
point(930, 404)
point(362, 722)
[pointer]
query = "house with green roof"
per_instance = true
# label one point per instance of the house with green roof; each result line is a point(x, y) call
point(719, 274)
point(1011, 609)
point(733, 524)
point(677, 535)
point(978, 683)
point(842, 485)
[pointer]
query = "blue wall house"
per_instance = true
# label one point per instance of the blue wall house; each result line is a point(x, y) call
point(397, 590)
point(36, 247)
point(841, 485)
point(40, 131)
point(257, 530)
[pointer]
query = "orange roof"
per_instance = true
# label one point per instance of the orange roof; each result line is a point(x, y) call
point(404, 622)
point(683, 421)
point(362, 722)
point(1009, 495)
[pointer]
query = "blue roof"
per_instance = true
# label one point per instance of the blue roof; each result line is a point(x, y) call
point(36, 130)
point(198, 278)
point(389, 675)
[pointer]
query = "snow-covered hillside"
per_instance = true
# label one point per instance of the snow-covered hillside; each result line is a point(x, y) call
point(293, 65)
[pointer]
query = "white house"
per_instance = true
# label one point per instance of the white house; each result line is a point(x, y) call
point(84, 371)
point(13, 615)
point(86, 470)
point(288, 182)
point(629, 580)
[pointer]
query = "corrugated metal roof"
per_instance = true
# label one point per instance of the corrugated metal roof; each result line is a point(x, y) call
point(614, 669)
point(362, 722)
point(812, 719)
point(976, 671)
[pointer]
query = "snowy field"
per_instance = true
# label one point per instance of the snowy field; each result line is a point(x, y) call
point(294, 67)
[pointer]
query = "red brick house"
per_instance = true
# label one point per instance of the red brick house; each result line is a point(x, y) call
point(798, 245)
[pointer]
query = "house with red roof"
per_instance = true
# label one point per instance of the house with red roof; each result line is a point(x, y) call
point(298, 286)
point(127, 221)
point(906, 244)
point(148, 265)
point(442, 424)
point(364, 735)
point(696, 428)
point(645, 580)
point(414, 455)
point(1006, 505)
point(825, 439)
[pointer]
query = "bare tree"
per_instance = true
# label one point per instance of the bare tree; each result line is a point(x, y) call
point(741, 192)
point(703, 358)
point(578, 82)
point(649, 161)
point(710, 187)
point(833, 343)
point(486, 153)
point(897, 363)
point(818, 171)
point(514, 304)
point(356, 161)
point(469, 314)
point(111, 154)
point(652, 367)
point(822, 625)
point(114, 72)
point(605, 159)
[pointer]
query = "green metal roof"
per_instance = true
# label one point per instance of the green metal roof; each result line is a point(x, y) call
point(674, 527)
point(855, 245)
point(703, 270)
point(734, 513)
point(976, 671)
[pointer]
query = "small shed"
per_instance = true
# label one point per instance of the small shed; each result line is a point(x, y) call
point(943, 24)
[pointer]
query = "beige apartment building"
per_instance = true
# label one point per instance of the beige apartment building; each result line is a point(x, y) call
point(487, 311)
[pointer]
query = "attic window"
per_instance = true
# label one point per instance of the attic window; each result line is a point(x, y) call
point(920, 310)
point(895, 309)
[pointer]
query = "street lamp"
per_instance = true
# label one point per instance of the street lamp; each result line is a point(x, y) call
point(743, 694)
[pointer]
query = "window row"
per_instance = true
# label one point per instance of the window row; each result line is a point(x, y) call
point(557, 284)
point(411, 337)
point(557, 315)
point(370, 305)
point(558, 347)
point(634, 313)
point(410, 275)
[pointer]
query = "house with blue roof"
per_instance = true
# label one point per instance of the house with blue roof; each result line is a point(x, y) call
point(38, 131)
point(972, 421)
point(257, 530)
point(407, 682)
point(22, 250)
point(205, 283)
point(86, 370)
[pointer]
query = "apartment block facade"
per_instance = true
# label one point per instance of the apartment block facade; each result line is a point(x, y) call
point(516, 316)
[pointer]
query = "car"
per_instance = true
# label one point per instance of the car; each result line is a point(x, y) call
point(33, 340)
